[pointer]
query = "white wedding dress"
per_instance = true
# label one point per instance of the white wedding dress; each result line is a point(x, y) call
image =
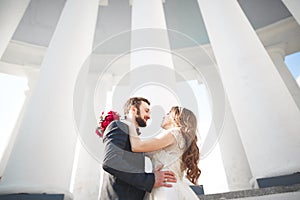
point(170, 158)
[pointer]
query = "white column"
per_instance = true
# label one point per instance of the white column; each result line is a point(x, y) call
point(87, 177)
point(11, 13)
point(151, 50)
point(277, 54)
point(234, 158)
point(149, 17)
point(266, 115)
point(148, 27)
point(42, 157)
point(86, 171)
point(149, 30)
point(234, 161)
point(293, 6)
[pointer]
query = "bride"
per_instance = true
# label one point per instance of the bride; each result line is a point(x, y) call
point(176, 149)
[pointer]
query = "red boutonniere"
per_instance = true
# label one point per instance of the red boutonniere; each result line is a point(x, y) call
point(105, 120)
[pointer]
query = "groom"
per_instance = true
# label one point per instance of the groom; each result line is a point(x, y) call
point(124, 176)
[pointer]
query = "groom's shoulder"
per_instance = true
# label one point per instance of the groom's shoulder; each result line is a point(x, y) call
point(117, 124)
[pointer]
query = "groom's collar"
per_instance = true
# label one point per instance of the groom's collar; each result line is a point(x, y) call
point(138, 131)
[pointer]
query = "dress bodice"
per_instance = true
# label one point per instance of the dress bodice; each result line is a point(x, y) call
point(170, 156)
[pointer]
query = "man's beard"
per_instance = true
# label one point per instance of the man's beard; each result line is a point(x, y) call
point(140, 121)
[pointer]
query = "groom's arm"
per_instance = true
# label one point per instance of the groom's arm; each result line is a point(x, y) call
point(123, 164)
point(142, 181)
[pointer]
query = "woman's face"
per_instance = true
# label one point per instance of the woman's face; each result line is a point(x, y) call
point(168, 121)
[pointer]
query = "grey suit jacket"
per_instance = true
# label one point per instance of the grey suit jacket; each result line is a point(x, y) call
point(124, 176)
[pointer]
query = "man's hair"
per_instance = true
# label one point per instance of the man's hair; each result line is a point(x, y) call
point(134, 101)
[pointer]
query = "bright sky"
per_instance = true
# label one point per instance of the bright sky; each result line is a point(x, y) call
point(11, 101)
point(293, 63)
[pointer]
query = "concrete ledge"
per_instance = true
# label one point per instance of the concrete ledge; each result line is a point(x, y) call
point(43, 192)
point(252, 193)
point(284, 180)
point(198, 189)
point(32, 197)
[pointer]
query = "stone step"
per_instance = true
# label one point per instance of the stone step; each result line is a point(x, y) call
point(291, 192)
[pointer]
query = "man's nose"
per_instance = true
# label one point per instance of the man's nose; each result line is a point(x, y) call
point(147, 117)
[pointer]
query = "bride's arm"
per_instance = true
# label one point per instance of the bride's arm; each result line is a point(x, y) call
point(151, 144)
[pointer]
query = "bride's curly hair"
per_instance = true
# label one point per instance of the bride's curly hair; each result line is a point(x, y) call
point(187, 122)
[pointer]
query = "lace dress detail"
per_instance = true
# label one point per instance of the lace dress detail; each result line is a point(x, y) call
point(170, 158)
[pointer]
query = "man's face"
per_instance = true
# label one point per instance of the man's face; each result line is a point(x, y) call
point(143, 114)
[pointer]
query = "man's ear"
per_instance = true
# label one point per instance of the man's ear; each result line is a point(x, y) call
point(133, 109)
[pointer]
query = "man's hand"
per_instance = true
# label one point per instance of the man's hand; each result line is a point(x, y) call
point(163, 177)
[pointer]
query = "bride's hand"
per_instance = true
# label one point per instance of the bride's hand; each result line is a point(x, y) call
point(132, 129)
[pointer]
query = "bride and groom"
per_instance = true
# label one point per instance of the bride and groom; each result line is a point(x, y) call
point(173, 153)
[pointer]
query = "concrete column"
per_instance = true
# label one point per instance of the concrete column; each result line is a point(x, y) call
point(148, 16)
point(234, 161)
point(11, 13)
point(293, 6)
point(46, 141)
point(234, 158)
point(150, 53)
point(265, 113)
point(87, 167)
point(150, 48)
point(277, 54)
